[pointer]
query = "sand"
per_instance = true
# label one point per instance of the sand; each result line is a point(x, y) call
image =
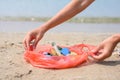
point(14, 67)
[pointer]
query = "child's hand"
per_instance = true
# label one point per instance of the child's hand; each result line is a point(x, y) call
point(32, 38)
point(106, 48)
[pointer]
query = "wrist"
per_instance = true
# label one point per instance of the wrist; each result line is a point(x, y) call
point(116, 38)
point(43, 28)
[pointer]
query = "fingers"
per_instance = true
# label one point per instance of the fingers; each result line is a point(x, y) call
point(26, 43)
point(27, 40)
point(91, 59)
point(36, 42)
point(30, 42)
point(99, 57)
point(105, 54)
point(96, 50)
point(32, 38)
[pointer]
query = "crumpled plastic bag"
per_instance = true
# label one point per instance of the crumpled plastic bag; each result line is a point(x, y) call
point(38, 59)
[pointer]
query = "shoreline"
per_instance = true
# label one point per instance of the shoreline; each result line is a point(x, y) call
point(9, 26)
point(73, 20)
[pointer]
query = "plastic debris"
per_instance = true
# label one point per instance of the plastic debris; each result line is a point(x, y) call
point(65, 51)
point(45, 56)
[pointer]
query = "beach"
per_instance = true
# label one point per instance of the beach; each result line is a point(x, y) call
point(94, 24)
point(14, 67)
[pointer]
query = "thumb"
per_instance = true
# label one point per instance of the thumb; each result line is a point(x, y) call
point(97, 49)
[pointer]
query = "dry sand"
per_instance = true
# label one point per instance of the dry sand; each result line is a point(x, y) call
point(14, 67)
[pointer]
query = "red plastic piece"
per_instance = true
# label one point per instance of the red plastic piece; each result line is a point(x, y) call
point(38, 59)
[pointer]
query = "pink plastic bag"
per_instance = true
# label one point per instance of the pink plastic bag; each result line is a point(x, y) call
point(38, 59)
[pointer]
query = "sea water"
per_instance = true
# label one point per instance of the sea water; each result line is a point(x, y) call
point(19, 26)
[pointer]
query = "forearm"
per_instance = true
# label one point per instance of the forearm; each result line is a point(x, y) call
point(115, 38)
point(73, 8)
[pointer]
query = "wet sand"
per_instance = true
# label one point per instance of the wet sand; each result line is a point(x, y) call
point(14, 67)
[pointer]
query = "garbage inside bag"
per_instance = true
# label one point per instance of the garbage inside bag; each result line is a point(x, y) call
point(53, 56)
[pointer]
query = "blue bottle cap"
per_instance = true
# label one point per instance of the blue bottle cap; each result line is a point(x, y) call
point(65, 51)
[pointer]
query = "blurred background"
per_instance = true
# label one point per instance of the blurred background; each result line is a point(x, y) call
point(24, 15)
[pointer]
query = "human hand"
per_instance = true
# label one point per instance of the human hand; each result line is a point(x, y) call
point(105, 48)
point(32, 38)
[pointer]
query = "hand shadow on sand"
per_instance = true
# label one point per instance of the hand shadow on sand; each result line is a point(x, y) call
point(109, 63)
